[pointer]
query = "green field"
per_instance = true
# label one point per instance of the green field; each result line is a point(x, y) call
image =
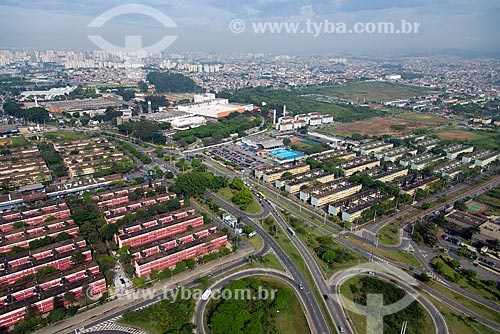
point(227, 194)
point(65, 136)
point(389, 235)
point(395, 123)
point(373, 91)
point(402, 257)
point(310, 237)
point(480, 309)
point(314, 99)
point(256, 241)
point(479, 139)
point(14, 141)
point(448, 272)
point(459, 323)
point(267, 261)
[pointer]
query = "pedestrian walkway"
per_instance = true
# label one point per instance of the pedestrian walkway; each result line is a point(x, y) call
point(111, 325)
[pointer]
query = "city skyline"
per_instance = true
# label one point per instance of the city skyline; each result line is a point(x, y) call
point(444, 26)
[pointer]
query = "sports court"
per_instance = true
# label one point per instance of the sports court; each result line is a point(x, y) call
point(475, 207)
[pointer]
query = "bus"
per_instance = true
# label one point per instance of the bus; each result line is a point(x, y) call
point(206, 294)
point(292, 232)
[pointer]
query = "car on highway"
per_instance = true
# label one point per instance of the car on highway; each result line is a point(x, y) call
point(341, 329)
point(301, 287)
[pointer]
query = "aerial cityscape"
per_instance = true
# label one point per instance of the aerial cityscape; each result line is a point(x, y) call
point(273, 167)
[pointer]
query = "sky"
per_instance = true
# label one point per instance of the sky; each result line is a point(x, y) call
point(205, 25)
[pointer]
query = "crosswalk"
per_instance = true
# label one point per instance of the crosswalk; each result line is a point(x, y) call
point(111, 325)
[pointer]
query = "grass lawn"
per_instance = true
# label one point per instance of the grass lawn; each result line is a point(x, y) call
point(309, 238)
point(480, 139)
point(421, 117)
point(402, 257)
point(359, 321)
point(458, 323)
point(480, 309)
point(389, 235)
point(255, 241)
point(14, 141)
point(288, 247)
point(284, 241)
point(293, 320)
point(65, 136)
point(464, 283)
point(267, 261)
point(253, 208)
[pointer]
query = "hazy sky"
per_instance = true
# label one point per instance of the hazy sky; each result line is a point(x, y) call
point(204, 25)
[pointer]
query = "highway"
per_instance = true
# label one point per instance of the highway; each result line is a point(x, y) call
point(319, 323)
point(143, 303)
point(312, 265)
point(395, 277)
point(310, 302)
point(202, 304)
point(369, 255)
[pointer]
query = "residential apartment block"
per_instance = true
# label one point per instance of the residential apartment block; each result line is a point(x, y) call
point(271, 174)
point(329, 192)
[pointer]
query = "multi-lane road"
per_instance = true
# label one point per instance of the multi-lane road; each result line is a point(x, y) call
point(202, 304)
point(318, 321)
point(398, 277)
point(313, 310)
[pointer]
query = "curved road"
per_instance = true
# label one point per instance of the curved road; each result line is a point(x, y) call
point(320, 325)
point(314, 268)
point(438, 320)
point(143, 303)
point(301, 294)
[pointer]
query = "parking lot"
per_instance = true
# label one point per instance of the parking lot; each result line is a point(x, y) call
point(239, 156)
point(469, 258)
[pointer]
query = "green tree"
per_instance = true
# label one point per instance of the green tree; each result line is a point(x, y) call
point(248, 229)
point(426, 205)
point(242, 197)
point(77, 257)
point(172, 82)
point(70, 297)
point(237, 184)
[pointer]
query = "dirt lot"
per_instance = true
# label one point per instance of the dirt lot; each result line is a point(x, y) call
point(394, 125)
point(457, 134)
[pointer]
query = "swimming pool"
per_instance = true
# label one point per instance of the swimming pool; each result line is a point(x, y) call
point(286, 154)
